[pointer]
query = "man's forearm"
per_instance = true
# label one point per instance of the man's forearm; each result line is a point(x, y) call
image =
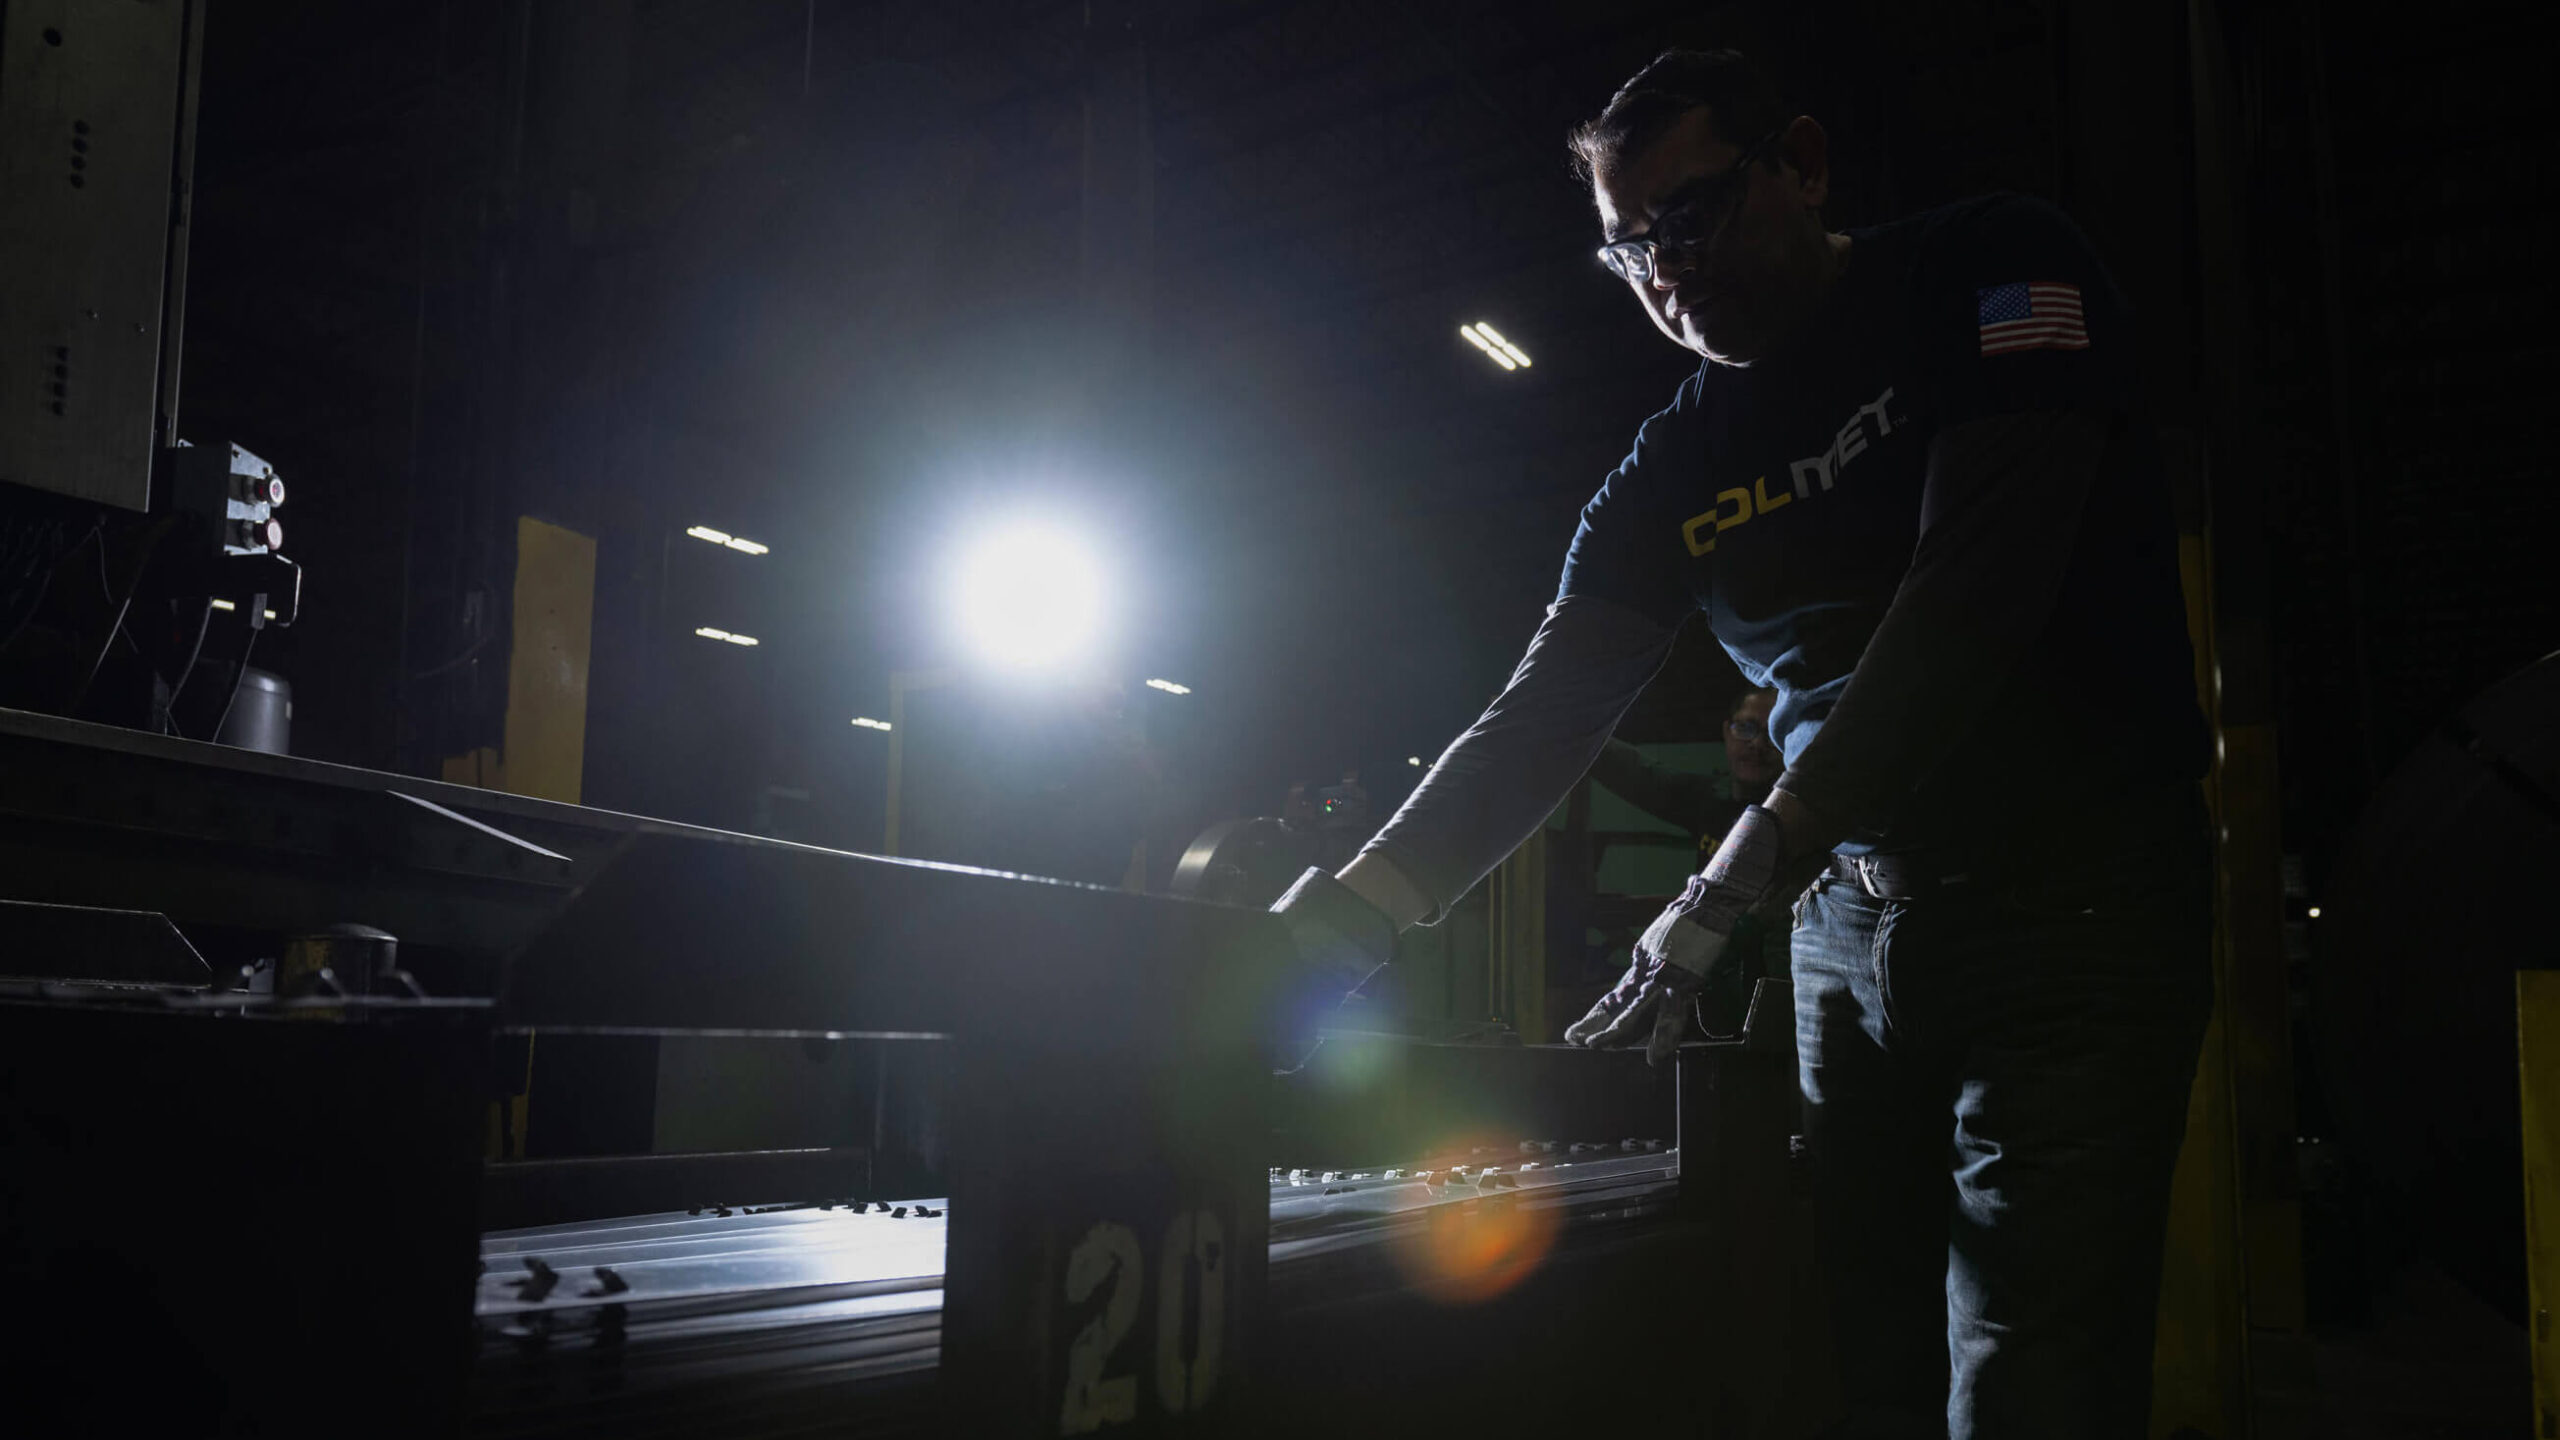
point(1499, 781)
point(1998, 524)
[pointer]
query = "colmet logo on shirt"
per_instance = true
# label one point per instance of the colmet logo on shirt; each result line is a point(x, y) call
point(1736, 506)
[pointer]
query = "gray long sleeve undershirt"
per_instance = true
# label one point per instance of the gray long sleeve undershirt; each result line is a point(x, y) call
point(1501, 779)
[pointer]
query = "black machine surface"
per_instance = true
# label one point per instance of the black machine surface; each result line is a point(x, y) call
point(279, 1198)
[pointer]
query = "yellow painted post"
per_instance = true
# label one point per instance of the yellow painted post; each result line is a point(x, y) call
point(545, 744)
point(2538, 1064)
point(1517, 939)
point(901, 682)
point(2200, 1378)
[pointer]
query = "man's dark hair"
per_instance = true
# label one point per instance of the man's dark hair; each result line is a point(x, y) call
point(1735, 707)
point(1736, 92)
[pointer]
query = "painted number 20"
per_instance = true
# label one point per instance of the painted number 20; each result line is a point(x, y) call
point(1108, 1262)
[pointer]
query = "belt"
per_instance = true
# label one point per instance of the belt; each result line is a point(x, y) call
point(1904, 877)
point(2159, 834)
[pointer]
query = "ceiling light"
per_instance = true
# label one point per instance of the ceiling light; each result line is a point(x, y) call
point(739, 639)
point(738, 543)
point(1413, 759)
point(1168, 687)
point(1517, 355)
point(707, 633)
point(224, 605)
point(867, 723)
point(1491, 350)
point(2315, 912)
point(1497, 349)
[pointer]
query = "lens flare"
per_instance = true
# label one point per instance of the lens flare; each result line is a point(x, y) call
point(1465, 1252)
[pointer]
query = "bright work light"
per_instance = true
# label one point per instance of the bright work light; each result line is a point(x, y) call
point(1029, 597)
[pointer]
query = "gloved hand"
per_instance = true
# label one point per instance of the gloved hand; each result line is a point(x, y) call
point(1683, 945)
point(1341, 940)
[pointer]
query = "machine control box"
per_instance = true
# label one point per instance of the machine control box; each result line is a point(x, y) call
point(238, 493)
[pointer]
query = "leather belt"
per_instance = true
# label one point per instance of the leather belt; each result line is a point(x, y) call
point(1903, 877)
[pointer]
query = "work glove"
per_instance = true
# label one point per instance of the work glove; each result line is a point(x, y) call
point(1685, 944)
point(1341, 941)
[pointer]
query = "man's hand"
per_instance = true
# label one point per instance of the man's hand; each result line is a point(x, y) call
point(1684, 944)
point(1341, 941)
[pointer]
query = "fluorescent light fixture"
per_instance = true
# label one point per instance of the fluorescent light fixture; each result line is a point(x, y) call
point(1168, 687)
point(740, 639)
point(867, 723)
point(1491, 350)
point(271, 614)
point(707, 633)
point(1413, 759)
point(738, 543)
point(1497, 349)
point(1514, 353)
point(224, 605)
point(1029, 596)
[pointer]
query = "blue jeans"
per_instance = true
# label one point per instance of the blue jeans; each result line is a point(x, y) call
point(1995, 1081)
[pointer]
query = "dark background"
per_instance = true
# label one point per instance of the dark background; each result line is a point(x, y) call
point(814, 274)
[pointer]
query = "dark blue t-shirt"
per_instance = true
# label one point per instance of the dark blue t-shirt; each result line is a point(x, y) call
point(1784, 500)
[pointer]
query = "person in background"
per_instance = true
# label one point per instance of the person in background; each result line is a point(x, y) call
point(1695, 802)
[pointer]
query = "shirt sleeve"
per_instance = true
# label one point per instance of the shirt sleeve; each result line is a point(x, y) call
point(2018, 316)
point(1500, 780)
point(1625, 553)
point(2031, 349)
point(2000, 511)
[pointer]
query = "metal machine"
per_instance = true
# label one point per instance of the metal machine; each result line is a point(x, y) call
point(148, 618)
point(97, 141)
point(303, 1208)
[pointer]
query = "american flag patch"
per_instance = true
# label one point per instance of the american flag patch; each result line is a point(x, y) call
point(2043, 315)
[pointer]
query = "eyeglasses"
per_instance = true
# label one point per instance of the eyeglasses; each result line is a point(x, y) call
point(1748, 730)
point(1696, 214)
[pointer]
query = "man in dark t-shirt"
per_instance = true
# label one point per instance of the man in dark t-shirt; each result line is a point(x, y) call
point(1913, 489)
